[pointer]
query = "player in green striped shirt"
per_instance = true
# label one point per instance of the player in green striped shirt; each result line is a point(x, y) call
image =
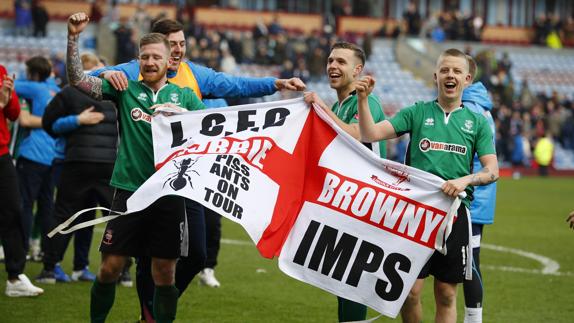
point(444, 138)
point(344, 66)
point(155, 231)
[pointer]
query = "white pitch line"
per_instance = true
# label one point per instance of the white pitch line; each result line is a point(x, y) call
point(549, 266)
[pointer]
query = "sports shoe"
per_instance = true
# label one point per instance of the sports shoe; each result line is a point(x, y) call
point(46, 277)
point(61, 276)
point(22, 288)
point(83, 275)
point(1, 254)
point(125, 279)
point(207, 278)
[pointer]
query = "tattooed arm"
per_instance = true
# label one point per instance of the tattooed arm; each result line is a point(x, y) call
point(76, 76)
point(488, 174)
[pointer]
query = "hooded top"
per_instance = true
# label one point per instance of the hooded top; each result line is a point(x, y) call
point(476, 98)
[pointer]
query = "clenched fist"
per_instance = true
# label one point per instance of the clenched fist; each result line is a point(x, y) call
point(77, 23)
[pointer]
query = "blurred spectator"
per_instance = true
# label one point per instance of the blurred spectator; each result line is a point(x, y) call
point(505, 63)
point(141, 21)
point(260, 30)
point(368, 44)
point(96, 11)
point(40, 18)
point(58, 61)
point(317, 63)
point(526, 97)
point(22, 17)
point(438, 34)
point(412, 19)
point(274, 27)
point(286, 70)
point(125, 43)
point(543, 152)
point(228, 63)
point(301, 70)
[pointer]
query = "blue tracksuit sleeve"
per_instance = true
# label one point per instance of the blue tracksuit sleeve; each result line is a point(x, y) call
point(27, 89)
point(65, 124)
point(221, 85)
point(131, 69)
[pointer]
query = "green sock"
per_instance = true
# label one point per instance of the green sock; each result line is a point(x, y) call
point(102, 299)
point(165, 303)
point(351, 311)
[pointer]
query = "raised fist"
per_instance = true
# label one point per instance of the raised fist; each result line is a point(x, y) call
point(77, 23)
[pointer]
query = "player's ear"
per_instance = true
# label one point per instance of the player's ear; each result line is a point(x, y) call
point(358, 69)
point(169, 61)
point(467, 80)
point(434, 77)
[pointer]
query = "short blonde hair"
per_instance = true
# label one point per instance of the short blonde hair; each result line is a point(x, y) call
point(89, 61)
point(453, 52)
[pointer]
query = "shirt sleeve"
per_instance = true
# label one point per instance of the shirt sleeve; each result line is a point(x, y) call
point(402, 122)
point(109, 92)
point(65, 124)
point(376, 110)
point(484, 142)
point(26, 89)
point(220, 85)
point(194, 103)
point(131, 69)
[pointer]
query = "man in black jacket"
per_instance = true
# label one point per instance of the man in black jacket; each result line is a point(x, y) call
point(90, 133)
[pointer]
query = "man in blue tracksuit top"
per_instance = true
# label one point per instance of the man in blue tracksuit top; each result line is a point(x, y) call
point(37, 149)
point(476, 98)
point(207, 84)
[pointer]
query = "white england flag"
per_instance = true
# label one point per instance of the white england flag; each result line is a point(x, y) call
point(338, 217)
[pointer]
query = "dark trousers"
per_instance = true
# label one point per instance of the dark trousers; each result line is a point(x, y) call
point(213, 237)
point(81, 185)
point(36, 185)
point(11, 233)
point(187, 267)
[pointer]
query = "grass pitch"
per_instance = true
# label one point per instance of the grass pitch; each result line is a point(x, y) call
point(521, 285)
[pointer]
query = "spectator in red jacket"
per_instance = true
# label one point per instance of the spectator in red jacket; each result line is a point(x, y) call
point(11, 234)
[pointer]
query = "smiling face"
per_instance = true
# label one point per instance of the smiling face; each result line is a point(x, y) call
point(153, 62)
point(177, 44)
point(343, 67)
point(451, 77)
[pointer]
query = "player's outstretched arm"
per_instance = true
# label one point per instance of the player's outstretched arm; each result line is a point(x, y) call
point(76, 76)
point(488, 174)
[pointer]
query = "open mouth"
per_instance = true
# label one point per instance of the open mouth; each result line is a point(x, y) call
point(334, 75)
point(176, 59)
point(450, 85)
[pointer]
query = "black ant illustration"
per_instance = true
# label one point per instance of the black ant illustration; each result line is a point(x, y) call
point(177, 180)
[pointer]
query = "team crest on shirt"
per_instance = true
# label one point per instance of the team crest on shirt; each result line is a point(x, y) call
point(468, 124)
point(137, 114)
point(429, 122)
point(426, 144)
point(107, 240)
point(142, 96)
point(174, 97)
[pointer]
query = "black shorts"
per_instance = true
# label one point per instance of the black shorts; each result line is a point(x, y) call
point(155, 231)
point(450, 268)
